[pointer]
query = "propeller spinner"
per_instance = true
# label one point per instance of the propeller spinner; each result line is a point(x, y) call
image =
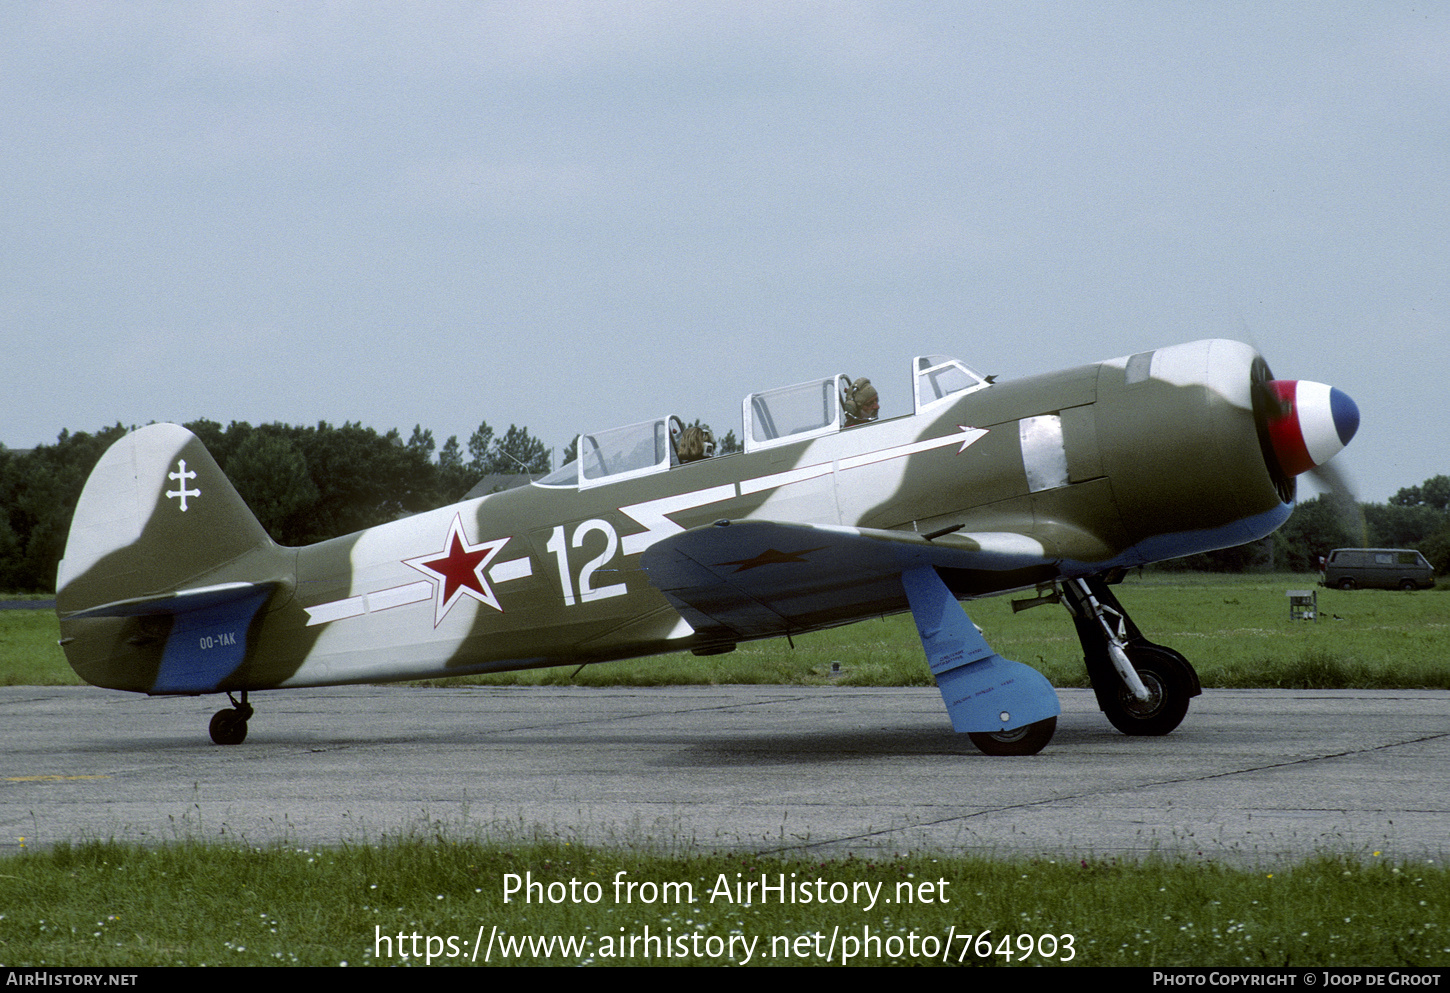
point(1310, 424)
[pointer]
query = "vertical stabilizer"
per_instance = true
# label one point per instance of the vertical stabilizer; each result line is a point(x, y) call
point(164, 561)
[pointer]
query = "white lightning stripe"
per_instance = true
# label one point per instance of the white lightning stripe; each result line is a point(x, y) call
point(652, 513)
point(399, 596)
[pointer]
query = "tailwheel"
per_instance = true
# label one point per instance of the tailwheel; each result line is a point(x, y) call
point(1027, 740)
point(1169, 690)
point(229, 726)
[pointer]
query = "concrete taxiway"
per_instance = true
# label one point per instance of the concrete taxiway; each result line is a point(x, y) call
point(1252, 775)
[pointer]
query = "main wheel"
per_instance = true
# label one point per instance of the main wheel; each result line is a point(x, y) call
point(1028, 740)
point(1346, 584)
point(1169, 690)
point(228, 727)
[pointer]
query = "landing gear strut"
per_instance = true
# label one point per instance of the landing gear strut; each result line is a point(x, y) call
point(1004, 707)
point(1143, 688)
point(229, 727)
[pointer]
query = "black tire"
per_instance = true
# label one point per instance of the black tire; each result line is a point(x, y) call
point(228, 727)
point(1171, 689)
point(1409, 584)
point(1027, 740)
point(1346, 584)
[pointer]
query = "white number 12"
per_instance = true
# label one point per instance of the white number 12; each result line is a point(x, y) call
point(587, 590)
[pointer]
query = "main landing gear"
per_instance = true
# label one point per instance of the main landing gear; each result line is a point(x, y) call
point(229, 727)
point(1004, 707)
point(1143, 688)
point(1027, 740)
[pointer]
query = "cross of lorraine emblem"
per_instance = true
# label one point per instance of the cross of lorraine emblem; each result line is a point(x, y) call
point(181, 476)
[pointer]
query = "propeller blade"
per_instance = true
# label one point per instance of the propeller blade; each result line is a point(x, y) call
point(1335, 484)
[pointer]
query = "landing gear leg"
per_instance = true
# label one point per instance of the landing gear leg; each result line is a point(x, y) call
point(1143, 688)
point(1005, 707)
point(229, 727)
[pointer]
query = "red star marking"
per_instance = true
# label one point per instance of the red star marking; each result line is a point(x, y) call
point(772, 556)
point(460, 568)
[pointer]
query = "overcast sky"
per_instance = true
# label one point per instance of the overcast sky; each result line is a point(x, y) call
point(572, 215)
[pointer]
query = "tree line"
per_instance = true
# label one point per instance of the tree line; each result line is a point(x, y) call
point(307, 484)
point(1416, 517)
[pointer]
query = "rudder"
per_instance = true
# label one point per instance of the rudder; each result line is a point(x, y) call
point(161, 543)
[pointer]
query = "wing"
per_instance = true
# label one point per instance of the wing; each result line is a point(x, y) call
point(740, 580)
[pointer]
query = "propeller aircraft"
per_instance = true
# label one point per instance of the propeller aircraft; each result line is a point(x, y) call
point(1053, 484)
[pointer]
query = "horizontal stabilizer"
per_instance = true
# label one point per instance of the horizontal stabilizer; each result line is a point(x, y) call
point(178, 602)
point(202, 634)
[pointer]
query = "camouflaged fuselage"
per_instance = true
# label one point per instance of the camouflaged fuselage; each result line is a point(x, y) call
point(170, 586)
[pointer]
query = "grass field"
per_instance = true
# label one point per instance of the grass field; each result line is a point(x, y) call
point(193, 904)
point(1234, 629)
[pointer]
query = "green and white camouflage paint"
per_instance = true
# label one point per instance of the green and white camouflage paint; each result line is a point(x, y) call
point(170, 586)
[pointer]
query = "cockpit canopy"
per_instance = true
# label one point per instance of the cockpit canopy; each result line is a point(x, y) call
point(638, 449)
point(939, 378)
point(773, 417)
point(623, 453)
point(793, 413)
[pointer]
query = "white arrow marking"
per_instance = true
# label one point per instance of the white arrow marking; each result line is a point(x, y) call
point(968, 437)
point(652, 513)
